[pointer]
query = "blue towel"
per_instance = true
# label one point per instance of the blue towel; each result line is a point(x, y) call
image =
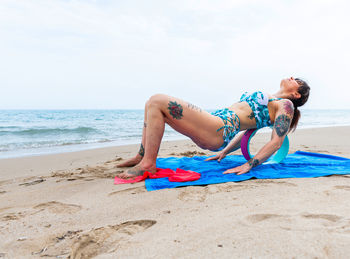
point(298, 165)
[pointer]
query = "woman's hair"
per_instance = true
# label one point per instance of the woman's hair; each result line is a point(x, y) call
point(304, 91)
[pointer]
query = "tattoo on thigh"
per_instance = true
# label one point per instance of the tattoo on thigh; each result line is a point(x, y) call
point(194, 107)
point(281, 125)
point(253, 162)
point(142, 150)
point(175, 110)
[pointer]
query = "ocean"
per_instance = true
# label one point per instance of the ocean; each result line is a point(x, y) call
point(36, 132)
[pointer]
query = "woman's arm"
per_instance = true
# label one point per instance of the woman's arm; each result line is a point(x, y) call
point(281, 126)
point(232, 146)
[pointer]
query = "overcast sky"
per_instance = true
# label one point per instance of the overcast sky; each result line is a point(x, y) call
point(104, 54)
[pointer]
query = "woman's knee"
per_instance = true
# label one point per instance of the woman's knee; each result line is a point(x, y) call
point(157, 100)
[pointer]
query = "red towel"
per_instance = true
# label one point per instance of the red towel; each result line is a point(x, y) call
point(184, 176)
point(179, 176)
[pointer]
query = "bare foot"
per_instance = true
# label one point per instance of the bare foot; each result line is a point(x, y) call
point(131, 162)
point(136, 171)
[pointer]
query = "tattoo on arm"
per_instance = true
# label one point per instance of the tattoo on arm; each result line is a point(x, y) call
point(142, 150)
point(194, 107)
point(253, 162)
point(282, 124)
point(175, 110)
point(288, 107)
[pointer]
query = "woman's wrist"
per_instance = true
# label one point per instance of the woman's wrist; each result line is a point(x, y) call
point(224, 152)
point(253, 162)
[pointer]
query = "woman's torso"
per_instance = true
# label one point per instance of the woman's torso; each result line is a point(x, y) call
point(263, 106)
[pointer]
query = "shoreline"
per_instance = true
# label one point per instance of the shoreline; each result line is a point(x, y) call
point(85, 147)
point(302, 139)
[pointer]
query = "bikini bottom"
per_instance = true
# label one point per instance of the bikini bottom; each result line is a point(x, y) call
point(231, 125)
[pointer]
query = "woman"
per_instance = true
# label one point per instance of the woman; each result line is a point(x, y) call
point(219, 130)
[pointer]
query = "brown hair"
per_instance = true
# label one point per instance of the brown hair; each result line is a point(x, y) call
point(304, 91)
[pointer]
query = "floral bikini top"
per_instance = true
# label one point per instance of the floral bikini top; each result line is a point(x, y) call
point(258, 103)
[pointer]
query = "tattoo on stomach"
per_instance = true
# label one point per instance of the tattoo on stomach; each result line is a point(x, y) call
point(251, 116)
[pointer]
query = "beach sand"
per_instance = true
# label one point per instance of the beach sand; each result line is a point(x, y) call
point(66, 205)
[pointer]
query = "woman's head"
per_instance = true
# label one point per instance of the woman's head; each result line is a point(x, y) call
point(296, 90)
point(303, 91)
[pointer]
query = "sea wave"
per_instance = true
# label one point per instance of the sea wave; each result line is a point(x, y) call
point(48, 144)
point(18, 131)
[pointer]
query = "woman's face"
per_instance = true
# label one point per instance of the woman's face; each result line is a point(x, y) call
point(290, 86)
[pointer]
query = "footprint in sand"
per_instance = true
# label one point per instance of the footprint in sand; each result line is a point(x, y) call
point(107, 239)
point(304, 222)
point(58, 245)
point(12, 216)
point(87, 173)
point(256, 218)
point(328, 217)
point(132, 190)
point(342, 187)
point(75, 244)
point(100, 172)
point(227, 187)
point(333, 223)
point(58, 207)
point(193, 193)
point(268, 181)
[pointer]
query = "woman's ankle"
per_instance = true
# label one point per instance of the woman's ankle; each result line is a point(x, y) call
point(147, 164)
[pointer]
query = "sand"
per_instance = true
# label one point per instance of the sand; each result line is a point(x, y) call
point(66, 206)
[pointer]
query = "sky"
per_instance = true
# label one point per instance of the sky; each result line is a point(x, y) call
point(104, 54)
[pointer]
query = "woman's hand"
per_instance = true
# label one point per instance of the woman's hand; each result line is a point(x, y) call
point(217, 157)
point(242, 169)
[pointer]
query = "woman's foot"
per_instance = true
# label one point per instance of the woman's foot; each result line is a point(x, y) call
point(137, 171)
point(131, 162)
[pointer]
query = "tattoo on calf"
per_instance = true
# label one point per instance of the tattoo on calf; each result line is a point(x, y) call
point(194, 107)
point(142, 150)
point(144, 124)
point(253, 162)
point(281, 125)
point(175, 110)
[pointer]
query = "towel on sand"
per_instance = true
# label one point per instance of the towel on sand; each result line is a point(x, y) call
point(298, 165)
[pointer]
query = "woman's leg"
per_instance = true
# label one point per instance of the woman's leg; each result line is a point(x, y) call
point(137, 159)
point(185, 118)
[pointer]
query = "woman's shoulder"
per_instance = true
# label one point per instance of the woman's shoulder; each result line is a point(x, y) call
point(285, 106)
